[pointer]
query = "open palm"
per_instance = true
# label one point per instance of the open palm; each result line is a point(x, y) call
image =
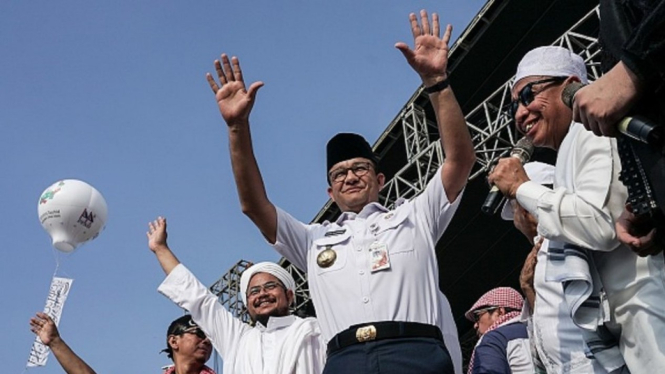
point(234, 100)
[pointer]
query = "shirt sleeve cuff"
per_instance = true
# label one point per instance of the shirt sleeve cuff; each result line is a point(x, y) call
point(528, 194)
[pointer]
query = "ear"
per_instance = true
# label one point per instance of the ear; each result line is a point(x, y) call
point(330, 193)
point(290, 297)
point(381, 178)
point(571, 79)
point(173, 342)
point(501, 311)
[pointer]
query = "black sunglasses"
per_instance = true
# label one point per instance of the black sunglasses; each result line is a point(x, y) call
point(197, 331)
point(479, 313)
point(527, 95)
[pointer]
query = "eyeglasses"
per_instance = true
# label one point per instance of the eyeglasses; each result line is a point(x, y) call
point(268, 286)
point(194, 331)
point(479, 313)
point(527, 94)
point(359, 169)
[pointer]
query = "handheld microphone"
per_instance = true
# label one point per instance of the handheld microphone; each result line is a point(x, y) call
point(523, 151)
point(634, 127)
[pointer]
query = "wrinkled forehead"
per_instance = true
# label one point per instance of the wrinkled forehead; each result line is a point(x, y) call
point(348, 163)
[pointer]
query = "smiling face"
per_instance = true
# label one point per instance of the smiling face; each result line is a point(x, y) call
point(545, 121)
point(354, 192)
point(271, 300)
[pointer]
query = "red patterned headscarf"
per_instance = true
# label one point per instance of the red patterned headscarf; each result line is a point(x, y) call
point(501, 297)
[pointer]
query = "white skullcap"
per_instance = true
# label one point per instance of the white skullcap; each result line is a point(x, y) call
point(538, 172)
point(553, 62)
point(265, 267)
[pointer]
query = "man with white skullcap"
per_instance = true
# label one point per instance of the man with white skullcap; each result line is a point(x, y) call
point(503, 346)
point(610, 290)
point(278, 343)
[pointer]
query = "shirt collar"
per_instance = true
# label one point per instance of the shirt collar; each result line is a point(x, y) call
point(367, 211)
point(276, 323)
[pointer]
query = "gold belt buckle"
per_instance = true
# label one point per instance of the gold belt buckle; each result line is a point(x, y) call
point(366, 333)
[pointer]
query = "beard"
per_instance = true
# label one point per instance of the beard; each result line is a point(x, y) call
point(277, 312)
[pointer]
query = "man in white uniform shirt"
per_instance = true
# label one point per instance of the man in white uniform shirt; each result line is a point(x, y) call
point(609, 288)
point(280, 343)
point(372, 273)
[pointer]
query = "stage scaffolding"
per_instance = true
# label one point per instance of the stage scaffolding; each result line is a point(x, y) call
point(492, 134)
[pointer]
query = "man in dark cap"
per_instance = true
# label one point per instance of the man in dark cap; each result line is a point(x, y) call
point(372, 273)
point(188, 346)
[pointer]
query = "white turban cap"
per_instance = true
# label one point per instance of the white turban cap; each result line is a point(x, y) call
point(553, 62)
point(265, 267)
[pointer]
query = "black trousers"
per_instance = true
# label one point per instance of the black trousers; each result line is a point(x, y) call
point(392, 356)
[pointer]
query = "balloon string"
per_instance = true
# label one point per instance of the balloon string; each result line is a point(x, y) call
point(57, 262)
point(56, 255)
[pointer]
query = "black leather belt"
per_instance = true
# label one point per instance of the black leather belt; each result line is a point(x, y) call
point(382, 330)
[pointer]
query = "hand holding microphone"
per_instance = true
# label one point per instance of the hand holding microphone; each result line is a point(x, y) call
point(606, 124)
point(507, 176)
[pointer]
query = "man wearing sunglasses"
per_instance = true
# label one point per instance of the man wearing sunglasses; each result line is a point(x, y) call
point(503, 346)
point(278, 343)
point(609, 288)
point(372, 273)
point(188, 346)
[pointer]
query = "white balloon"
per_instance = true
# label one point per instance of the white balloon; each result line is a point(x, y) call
point(72, 212)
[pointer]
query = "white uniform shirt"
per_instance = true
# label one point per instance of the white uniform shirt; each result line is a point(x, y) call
point(348, 292)
point(581, 210)
point(287, 345)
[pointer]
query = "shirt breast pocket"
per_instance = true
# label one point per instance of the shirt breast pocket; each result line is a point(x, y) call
point(330, 252)
point(397, 231)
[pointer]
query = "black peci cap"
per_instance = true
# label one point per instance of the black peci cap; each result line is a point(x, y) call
point(345, 146)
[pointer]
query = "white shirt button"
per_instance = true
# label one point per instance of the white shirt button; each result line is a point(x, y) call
point(365, 299)
point(361, 272)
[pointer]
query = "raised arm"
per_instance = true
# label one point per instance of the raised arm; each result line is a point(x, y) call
point(157, 243)
point(235, 104)
point(429, 59)
point(44, 327)
point(182, 287)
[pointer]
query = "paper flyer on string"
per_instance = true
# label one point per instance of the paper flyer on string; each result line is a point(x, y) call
point(54, 303)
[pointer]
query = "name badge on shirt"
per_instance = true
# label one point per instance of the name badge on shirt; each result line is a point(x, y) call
point(379, 256)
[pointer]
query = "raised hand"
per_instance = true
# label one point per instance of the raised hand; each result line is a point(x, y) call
point(234, 100)
point(44, 327)
point(157, 234)
point(429, 58)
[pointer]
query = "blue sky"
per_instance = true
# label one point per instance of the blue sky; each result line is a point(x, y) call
point(114, 94)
